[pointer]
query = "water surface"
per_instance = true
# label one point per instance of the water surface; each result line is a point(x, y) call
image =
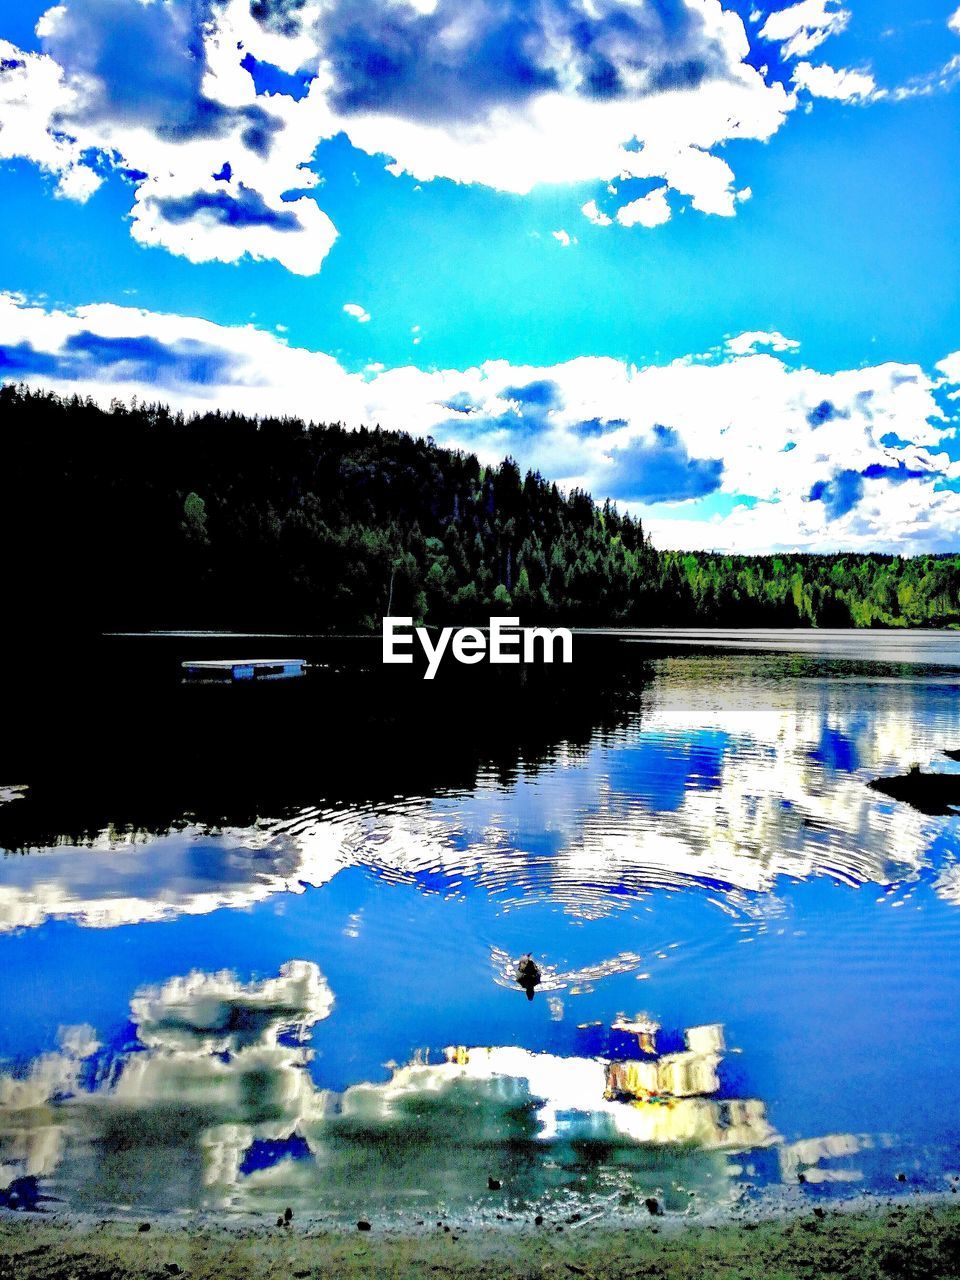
point(257, 945)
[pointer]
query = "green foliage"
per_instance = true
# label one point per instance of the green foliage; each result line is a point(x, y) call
point(195, 519)
point(140, 517)
point(804, 590)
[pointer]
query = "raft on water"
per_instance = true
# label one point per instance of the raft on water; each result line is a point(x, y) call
point(230, 670)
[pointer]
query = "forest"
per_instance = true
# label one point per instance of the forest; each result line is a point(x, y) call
point(139, 517)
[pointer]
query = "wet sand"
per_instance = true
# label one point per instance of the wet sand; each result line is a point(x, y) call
point(913, 1242)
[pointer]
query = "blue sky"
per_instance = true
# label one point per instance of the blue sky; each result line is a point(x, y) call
point(583, 195)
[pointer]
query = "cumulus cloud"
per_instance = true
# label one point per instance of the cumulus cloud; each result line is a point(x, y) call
point(359, 313)
point(747, 343)
point(746, 422)
point(595, 215)
point(656, 467)
point(215, 108)
point(511, 97)
point(803, 27)
point(564, 238)
point(827, 82)
point(160, 92)
point(33, 91)
point(650, 210)
point(953, 22)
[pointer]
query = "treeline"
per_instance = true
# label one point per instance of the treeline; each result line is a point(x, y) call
point(139, 517)
point(804, 590)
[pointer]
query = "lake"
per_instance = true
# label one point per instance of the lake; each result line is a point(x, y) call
point(258, 945)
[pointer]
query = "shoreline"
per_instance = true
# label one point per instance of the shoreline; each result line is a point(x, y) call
point(916, 1238)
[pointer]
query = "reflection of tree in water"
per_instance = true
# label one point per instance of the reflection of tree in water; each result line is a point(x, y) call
point(213, 1105)
point(541, 783)
point(114, 744)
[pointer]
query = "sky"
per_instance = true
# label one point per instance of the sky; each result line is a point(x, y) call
point(696, 256)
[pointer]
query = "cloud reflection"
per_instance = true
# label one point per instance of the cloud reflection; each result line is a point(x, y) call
point(213, 1104)
point(727, 784)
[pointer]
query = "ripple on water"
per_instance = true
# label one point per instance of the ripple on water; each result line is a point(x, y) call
point(717, 852)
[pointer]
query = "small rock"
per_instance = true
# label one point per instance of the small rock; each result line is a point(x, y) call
point(279, 1222)
point(801, 1177)
point(901, 1177)
point(287, 1214)
point(493, 1184)
point(653, 1206)
point(144, 1226)
point(538, 1220)
point(819, 1213)
point(363, 1225)
point(172, 1269)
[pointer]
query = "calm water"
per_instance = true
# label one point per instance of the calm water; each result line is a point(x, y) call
point(257, 945)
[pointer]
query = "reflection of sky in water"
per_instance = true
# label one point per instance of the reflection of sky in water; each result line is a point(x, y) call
point(726, 783)
point(216, 1103)
point(720, 860)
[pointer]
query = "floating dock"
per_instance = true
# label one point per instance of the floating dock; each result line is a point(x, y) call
point(228, 671)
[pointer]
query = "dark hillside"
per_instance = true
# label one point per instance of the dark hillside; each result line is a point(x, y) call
point(140, 518)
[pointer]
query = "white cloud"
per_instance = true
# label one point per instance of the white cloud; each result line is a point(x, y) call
point(842, 85)
point(595, 215)
point(803, 27)
point(650, 210)
point(841, 459)
point(747, 343)
point(214, 161)
point(359, 313)
point(32, 93)
point(942, 80)
point(953, 22)
point(949, 366)
point(564, 238)
point(650, 127)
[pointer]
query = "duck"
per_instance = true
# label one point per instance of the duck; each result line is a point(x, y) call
point(528, 974)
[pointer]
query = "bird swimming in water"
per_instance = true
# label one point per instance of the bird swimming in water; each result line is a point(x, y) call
point(528, 974)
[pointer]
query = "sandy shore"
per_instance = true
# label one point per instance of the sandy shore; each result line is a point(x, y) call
point(918, 1242)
